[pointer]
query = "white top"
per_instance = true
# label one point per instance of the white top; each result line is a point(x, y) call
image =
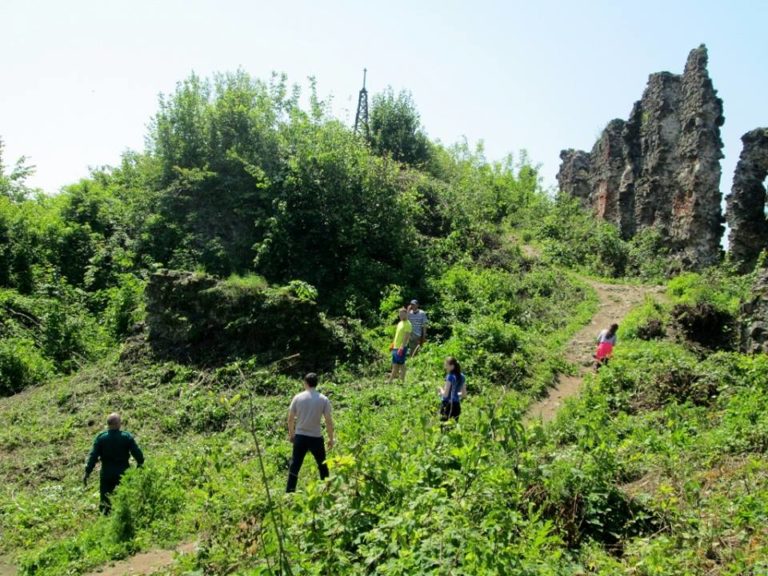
point(308, 408)
point(603, 337)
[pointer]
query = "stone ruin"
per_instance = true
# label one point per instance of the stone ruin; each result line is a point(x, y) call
point(661, 167)
point(196, 318)
point(754, 317)
point(747, 201)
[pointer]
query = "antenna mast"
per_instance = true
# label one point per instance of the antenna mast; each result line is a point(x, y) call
point(361, 118)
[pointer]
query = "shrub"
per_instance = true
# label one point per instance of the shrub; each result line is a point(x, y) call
point(652, 329)
point(648, 255)
point(706, 325)
point(125, 306)
point(647, 322)
point(147, 500)
point(571, 237)
point(196, 317)
point(21, 365)
point(716, 287)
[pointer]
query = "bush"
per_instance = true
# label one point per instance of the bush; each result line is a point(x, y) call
point(125, 306)
point(716, 286)
point(196, 317)
point(653, 329)
point(21, 365)
point(646, 322)
point(147, 500)
point(396, 128)
point(571, 237)
point(493, 349)
point(648, 255)
point(706, 325)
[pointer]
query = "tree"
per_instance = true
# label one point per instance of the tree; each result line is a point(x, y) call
point(218, 147)
point(13, 185)
point(341, 220)
point(396, 128)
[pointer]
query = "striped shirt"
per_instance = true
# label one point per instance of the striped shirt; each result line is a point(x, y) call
point(418, 321)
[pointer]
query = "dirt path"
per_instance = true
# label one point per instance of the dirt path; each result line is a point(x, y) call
point(615, 300)
point(6, 568)
point(144, 563)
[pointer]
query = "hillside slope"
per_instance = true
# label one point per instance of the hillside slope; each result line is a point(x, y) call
point(615, 301)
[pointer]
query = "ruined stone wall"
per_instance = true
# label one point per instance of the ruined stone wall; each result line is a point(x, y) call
point(747, 201)
point(197, 318)
point(754, 317)
point(660, 168)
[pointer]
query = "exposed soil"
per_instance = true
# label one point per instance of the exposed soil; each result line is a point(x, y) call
point(615, 301)
point(6, 568)
point(143, 564)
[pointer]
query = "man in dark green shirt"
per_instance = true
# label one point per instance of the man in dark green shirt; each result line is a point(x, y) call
point(114, 448)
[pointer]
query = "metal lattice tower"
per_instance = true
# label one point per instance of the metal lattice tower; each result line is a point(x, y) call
point(361, 118)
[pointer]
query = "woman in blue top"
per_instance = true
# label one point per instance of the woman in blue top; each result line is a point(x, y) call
point(454, 390)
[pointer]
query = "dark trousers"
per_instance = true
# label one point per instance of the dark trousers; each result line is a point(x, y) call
point(107, 485)
point(301, 445)
point(450, 410)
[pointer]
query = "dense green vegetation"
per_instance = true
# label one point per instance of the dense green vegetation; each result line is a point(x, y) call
point(301, 237)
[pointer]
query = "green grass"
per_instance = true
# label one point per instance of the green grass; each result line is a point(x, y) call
point(194, 427)
point(657, 468)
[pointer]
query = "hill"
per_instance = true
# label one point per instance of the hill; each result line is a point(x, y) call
point(190, 286)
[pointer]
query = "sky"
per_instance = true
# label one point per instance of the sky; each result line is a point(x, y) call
point(79, 80)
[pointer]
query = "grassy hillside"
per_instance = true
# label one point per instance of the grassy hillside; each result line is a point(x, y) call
point(657, 468)
point(195, 426)
point(289, 224)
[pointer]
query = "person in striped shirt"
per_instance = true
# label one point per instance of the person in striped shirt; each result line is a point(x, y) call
point(419, 321)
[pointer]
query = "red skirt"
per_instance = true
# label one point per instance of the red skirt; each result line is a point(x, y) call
point(604, 350)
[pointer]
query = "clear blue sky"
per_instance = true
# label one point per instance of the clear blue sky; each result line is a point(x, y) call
point(80, 78)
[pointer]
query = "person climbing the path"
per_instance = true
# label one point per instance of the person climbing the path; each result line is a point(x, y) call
point(453, 391)
point(113, 448)
point(400, 345)
point(305, 416)
point(419, 322)
point(606, 341)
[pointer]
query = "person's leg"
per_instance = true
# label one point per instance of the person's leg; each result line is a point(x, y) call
point(300, 448)
point(402, 372)
point(413, 345)
point(107, 485)
point(395, 368)
point(318, 451)
point(445, 411)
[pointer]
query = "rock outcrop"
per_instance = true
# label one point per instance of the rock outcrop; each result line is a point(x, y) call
point(747, 201)
point(754, 317)
point(661, 167)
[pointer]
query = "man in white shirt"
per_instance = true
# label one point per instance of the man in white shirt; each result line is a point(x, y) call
point(307, 410)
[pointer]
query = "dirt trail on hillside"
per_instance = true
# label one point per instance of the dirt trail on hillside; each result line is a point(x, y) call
point(615, 300)
point(6, 568)
point(144, 563)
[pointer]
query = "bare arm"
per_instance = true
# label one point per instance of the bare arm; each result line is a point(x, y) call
point(291, 425)
point(445, 391)
point(329, 428)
